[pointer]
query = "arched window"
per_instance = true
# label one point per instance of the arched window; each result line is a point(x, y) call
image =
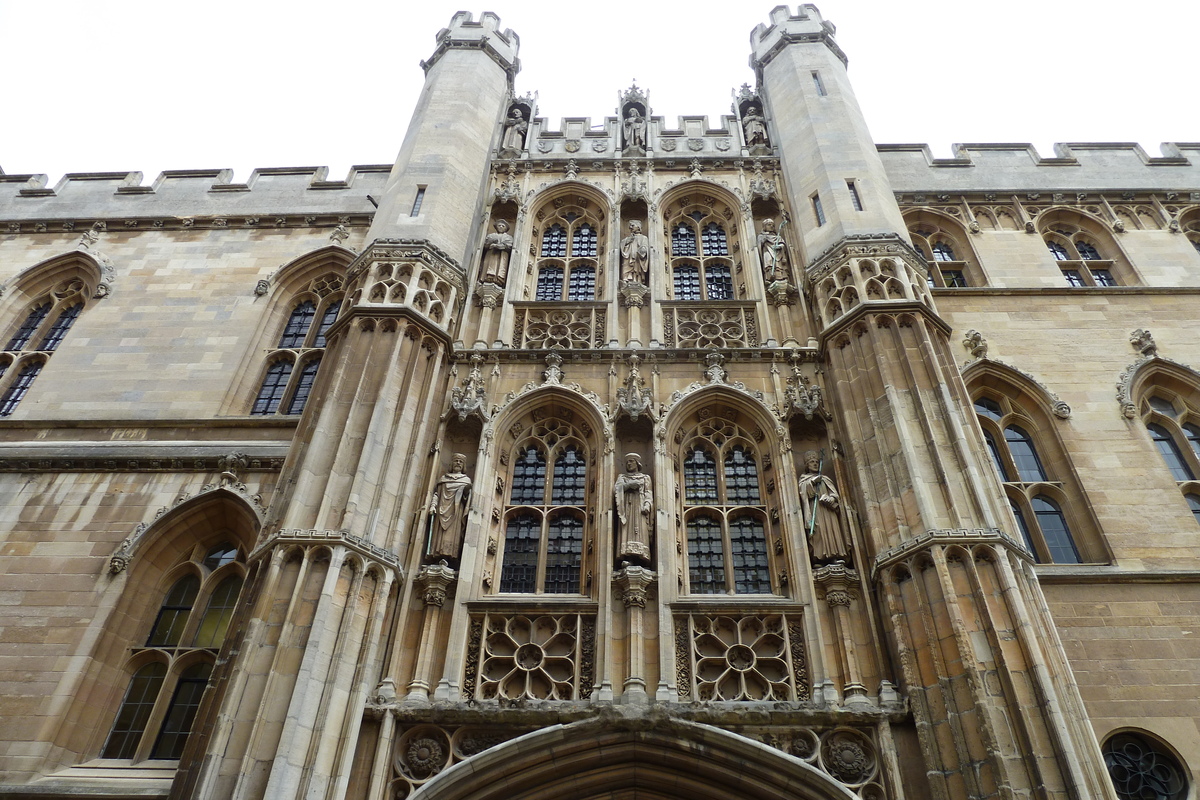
point(1142, 769)
point(1084, 254)
point(726, 521)
point(43, 326)
point(936, 237)
point(291, 368)
point(1174, 428)
point(700, 248)
point(163, 695)
point(567, 266)
point(1035, 494)
point(546, 516)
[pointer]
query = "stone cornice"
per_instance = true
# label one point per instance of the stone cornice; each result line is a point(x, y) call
point(859, 245)
point(945, 537)
point(296, 536)
point(789, 37)
point(119, 222)
point(650, 357)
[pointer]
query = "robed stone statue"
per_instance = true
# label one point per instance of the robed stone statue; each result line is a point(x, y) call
point(635, 507)
point(497, 250)
point(821, 504)
point(448, 510)
point(635, 255)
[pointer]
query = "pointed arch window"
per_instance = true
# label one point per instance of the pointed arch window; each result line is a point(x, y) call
point(1082, 261)
point(953, 265)
point(160, 703)
point(1040, 500)
point(726, 521)
point(700, 248)
point(547, 511)
point(291, 368)
point(1169, 418)
point(567, 267)
point(40, 332)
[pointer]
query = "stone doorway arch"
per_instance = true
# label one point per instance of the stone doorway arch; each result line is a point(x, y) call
point(609, 759)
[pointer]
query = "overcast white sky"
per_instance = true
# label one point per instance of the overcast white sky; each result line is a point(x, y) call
point(148, 86)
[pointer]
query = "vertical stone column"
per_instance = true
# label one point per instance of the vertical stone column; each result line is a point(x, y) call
point(432, 582)
point(838, 583)
point(634, 582)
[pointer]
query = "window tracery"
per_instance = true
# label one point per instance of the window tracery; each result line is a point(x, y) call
point(292, 365)
point(171, 668)
point(700, 252)
point(40, 332)
point(1142, 768)
point(725, 518)
point(1037, 495)
point(567, 265)
point(1084, 251)
point(949, 257)
point(1174, 428)
point(546, 517)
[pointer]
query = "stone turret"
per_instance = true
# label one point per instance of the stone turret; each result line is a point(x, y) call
point(432, 193)
point(820, 131)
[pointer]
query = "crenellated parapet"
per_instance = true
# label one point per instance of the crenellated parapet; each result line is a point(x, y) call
point(465, 33)
point(806, 25)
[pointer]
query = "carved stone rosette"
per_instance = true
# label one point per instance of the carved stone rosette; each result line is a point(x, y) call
point(737, 658)
point(526, 657)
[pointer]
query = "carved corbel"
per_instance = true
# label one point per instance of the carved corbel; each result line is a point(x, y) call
point(633, 583)
point(434, 581)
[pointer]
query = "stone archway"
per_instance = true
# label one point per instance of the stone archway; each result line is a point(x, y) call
point(607, 759)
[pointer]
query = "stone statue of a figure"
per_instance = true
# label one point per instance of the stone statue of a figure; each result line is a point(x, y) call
point(635, 130)
point(448, 510)
point(514, 131)
point(827, 540)
point(635, 507)
point(497, 250)
point(635, 255)
point(755, 127)
point(773, 252)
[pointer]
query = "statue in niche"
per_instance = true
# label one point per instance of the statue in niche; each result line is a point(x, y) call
point(821, 504)
point(635, 255)
point(635, 130)
point(754, 125)
point(497, 250)
point(635, 505)
point(448, 510)
point(514, 131)
point(773, 252)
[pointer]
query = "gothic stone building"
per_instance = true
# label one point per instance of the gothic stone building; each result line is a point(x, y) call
point(644, 459)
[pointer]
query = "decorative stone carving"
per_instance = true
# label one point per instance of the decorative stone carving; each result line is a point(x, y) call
point(715, 372)
point(634, 188)
point(760, 187)
point(566, 329)
point(634, 399)
point(512, 142)
point(519, 657)
point(821, 506)
point(497, 250)
point(489, 295)
point(470, 399)
point(553, 373)
point(634, 500)
point(848, 756)
point(261, 288)
point(633, 583)
point(448, 510)
point(572, 145)
point(772, 251)
point(339, 235)
point(1057, 406)
point(741, 658)
point(509, 190)
point(433, 580)
point(754, 125)
point(635, 255)
point(802, 396)
point(710, 325)
point(668, 145)
point(975, 344)
point(1143, 342)
point(634, 128)
point(633, 294)
point(838, 583)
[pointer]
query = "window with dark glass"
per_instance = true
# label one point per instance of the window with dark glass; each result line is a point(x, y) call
point(20, 387)
point(1058, 251)
point(546, 512)
point(1087, 251)
point(41, 331)
point(725, 516)
point(292, 366)
point(1073, 277)
point(567, 269)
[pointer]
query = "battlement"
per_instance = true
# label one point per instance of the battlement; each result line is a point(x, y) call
point(191, 193)
point(465, 32)
point(690, 136)
point(806, 25)
point(1109, 166)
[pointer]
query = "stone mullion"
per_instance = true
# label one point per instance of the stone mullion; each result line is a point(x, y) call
point(337, 709)
point(975, 470)
point(1028, 740)
point(1078, 752)
point(304, 705)
point(907, 646)
point(260, 722)
point(205, 781)
point(366, 676)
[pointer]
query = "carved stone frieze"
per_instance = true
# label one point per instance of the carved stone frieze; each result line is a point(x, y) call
point(579, 327)
point(710, 325)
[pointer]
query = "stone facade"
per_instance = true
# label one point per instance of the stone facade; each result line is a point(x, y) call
point(860, 474)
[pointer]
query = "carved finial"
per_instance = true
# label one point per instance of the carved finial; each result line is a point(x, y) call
point(802, 395)
point(1143, 342)
point(470, 399)
point(634, 398)
point(976, 344)
point(553, 373)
